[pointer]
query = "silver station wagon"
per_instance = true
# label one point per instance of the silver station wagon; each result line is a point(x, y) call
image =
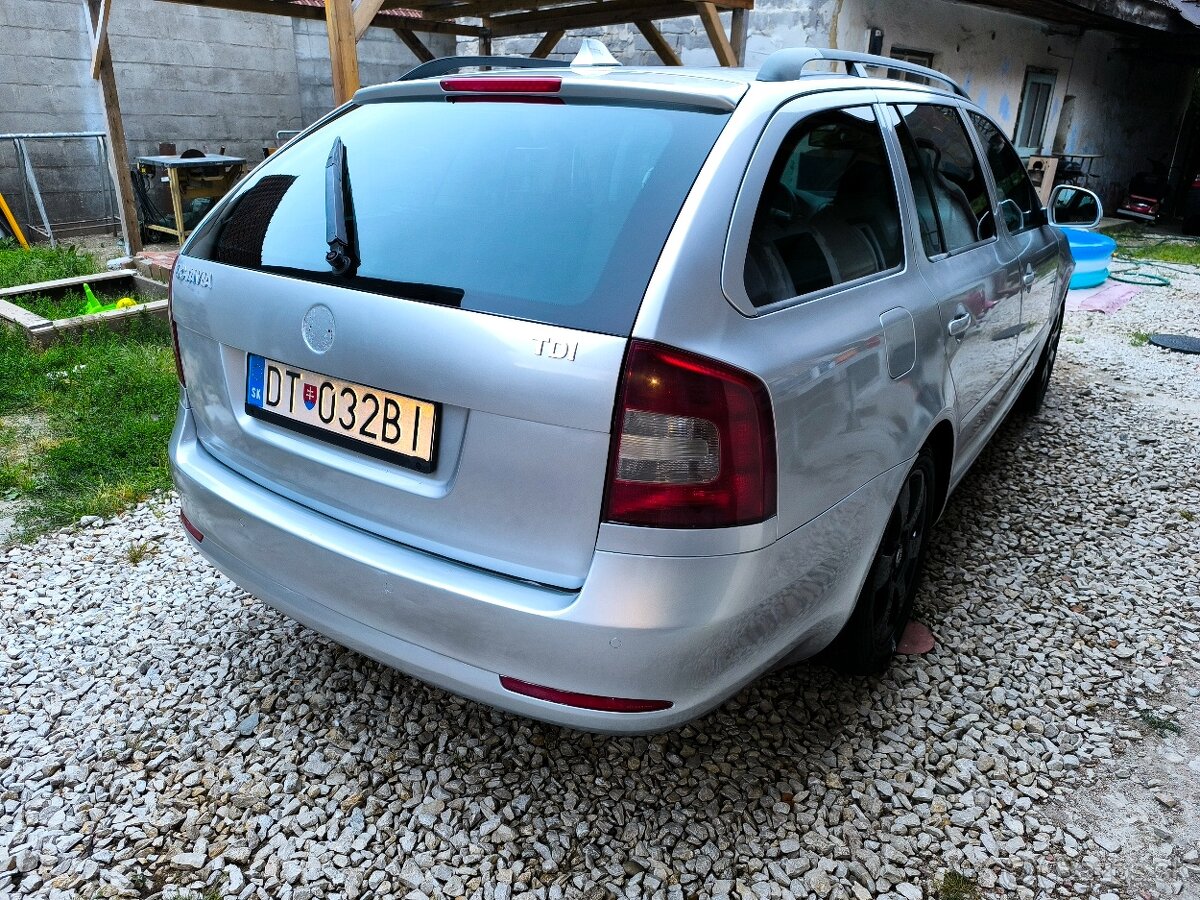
point(594, 392)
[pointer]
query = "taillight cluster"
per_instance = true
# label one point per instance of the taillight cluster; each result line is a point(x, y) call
point(693, 443)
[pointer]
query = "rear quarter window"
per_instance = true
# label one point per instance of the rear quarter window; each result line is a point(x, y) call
point(828, 213)
point(555, 213)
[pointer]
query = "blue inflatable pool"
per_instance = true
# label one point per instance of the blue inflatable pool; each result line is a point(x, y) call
point(1093, 253)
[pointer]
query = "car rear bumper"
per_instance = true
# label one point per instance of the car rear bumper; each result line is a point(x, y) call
point(686, 630)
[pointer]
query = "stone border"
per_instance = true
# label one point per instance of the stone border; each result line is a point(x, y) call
point(44, 332)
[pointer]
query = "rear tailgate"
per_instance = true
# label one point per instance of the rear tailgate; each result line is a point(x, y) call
point(502, 253)
point(522, 437)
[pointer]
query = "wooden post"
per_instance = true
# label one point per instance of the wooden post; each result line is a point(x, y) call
point(343, 49)
point(100, 37)
point(118, 150)
point(716, 33)
point(485, 39)
point(658, 43)
point(738, 33)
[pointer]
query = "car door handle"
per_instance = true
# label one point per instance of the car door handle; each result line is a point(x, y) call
point(1030, 277)
point(959, 324)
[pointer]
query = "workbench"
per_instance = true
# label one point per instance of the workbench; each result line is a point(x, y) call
point(190, 178)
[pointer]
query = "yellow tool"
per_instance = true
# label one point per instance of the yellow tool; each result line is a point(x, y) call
point(9, 223)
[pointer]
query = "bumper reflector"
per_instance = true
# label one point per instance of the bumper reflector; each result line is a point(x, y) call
point(190, 528)
point(582, 701)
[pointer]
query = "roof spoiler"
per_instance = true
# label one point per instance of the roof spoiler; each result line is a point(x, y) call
point(789, 65)
point(448, 64)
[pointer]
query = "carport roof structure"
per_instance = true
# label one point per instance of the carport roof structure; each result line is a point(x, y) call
point(348, 20)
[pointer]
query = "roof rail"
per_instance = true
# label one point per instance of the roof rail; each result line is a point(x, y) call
point(448, 64)
point(788, 65)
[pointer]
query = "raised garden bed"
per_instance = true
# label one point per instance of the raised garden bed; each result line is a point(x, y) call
point(43, 332)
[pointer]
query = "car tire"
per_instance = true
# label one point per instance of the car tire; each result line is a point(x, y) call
point(1034, 393)
point(869, 639)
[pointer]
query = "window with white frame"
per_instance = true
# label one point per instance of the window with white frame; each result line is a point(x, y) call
point(920, 57)
point(1035, 109)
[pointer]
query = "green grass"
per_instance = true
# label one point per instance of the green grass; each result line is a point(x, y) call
point(39, 264)
point(108, 403)
point(1136, 244)
point(956, 886)
point(19, 266)
point(1160, 725)
point(72, 303)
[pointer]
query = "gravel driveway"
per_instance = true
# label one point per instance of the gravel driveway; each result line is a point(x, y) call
point(161, 730)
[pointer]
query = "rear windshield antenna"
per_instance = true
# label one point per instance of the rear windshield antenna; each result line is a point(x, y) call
point(339, 213)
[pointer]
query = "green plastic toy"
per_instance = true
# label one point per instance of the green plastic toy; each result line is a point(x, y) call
point(93, 304)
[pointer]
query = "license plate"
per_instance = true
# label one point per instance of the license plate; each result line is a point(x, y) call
point(388, 426)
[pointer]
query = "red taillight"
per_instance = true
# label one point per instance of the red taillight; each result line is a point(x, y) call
point(503, 85)
point(190, 528)
point(582, 701)
point(693, 443)
point(174, 330)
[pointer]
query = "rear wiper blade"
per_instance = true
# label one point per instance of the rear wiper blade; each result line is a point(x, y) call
point(339, 213)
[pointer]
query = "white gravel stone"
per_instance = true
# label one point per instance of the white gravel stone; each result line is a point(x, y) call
point(159, 726)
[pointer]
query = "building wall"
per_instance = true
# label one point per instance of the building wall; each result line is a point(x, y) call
point(196, 77)
point(382, 57)
point(1128, 106)
point(45, 85)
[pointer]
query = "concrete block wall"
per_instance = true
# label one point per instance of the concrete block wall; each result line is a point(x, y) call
point(50, 90)
point(196, 77)
point(773, 25)
point(1128, 104)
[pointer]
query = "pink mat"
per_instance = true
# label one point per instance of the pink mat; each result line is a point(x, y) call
point(916, 641)
point(1105, 298)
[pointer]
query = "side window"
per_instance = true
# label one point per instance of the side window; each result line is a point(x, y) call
point(1019, 202)
point(828, 213)
point(936, 143)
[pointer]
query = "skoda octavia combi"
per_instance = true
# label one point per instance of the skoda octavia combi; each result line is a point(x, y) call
point(594, 392)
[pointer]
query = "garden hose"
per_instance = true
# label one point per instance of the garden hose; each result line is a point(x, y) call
point(1135, 275)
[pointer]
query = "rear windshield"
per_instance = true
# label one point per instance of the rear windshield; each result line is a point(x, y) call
point(549, 212)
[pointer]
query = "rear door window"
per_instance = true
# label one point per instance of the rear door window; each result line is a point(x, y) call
point(828, 213)
point(947, 179)
point(555, 213)
point(1019, 202)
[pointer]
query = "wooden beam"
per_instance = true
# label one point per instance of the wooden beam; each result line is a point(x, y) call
point(364, 12)
point(738, 32)
point(547, 44)
point(613, 13)
point(449, 9)
point(595, 15)
point(716, 33)
point(485, 39)
point(343, 49)
point(280, 8)
point(658, 43)
point(100, 37)
point(118, 150)
point(415, 44)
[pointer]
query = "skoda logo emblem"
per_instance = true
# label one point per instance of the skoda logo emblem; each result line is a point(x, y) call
point(317, 328)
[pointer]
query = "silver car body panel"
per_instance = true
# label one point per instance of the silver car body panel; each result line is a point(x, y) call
point(497, 562)
point(689, 629)
point(551, 417)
